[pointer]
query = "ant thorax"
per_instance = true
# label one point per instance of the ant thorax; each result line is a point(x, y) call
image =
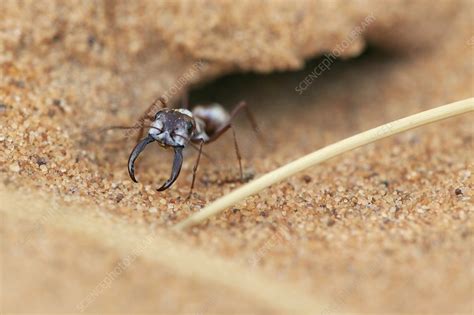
point(200, 133)
point(173, 127)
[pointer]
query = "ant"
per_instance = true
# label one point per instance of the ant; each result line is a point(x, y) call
point(178, 127)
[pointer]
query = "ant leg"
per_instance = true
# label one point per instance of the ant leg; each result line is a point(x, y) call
point(237, 152)
point(233, 114)
point(219, 133)
point(149, 114)
point(142, 127)
point(226, 126)
point(203, 153)
point(152, 109)
point(140, 124)
point(250, 117)
point(201, 142)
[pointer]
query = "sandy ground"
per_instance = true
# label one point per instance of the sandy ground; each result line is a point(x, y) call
point(386, 228)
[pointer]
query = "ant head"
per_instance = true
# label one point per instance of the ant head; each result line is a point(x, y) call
point(172, 127)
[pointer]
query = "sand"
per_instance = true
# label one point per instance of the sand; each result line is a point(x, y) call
point(385, 228)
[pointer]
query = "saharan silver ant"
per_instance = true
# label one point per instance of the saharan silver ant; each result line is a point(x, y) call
point(178, 127)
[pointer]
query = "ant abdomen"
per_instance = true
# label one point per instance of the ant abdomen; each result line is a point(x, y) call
point(214, 116)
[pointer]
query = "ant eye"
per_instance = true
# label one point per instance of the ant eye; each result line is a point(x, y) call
point(189, 126)
point(158, 114)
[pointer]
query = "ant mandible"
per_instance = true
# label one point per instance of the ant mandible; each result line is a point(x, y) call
point(177, 127)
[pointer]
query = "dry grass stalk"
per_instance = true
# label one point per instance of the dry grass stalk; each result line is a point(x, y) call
point(326, 153)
